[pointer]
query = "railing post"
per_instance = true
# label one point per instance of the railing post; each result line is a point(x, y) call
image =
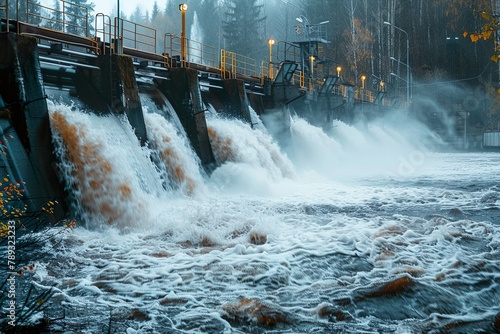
point(222, 63)
point(64, 16)
point(234, 65)
point(87, 32)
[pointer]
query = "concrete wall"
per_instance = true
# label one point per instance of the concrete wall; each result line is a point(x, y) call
point(25, 127)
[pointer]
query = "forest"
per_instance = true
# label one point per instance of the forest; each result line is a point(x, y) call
point(384, 41)
point(407, 45)
point(360, 42)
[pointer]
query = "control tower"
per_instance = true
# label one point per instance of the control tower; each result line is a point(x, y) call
point(310, 39)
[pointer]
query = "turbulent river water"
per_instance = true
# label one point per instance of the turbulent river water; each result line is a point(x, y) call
point(355, 230)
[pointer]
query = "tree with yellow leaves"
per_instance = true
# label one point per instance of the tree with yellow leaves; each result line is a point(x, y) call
point(487, 31)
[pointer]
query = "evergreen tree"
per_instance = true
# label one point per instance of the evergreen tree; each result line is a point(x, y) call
point(20, 13)
point(137, 16)
point(242, 28)
point(55, 22)
point(79, 21)
point(170, 7)
point(155, 11)
point(210, 22)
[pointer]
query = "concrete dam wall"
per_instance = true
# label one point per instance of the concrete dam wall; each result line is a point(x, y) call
point(105, 84)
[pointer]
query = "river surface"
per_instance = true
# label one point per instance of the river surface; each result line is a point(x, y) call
point(355, 231)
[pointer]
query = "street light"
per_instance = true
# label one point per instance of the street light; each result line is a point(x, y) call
point(408, 69)
point(363, 78)
point(183, 8)
point(407, 60)
point(338, 71)
point(397, 76)
point(271, 42)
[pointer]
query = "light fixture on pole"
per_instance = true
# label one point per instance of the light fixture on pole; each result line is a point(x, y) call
point(408, 69)
point(183, 8)
point(363, 78)
point(311, 59)
point(397, 76)
point(271, 42)
point(338, 71)
point(408, 75)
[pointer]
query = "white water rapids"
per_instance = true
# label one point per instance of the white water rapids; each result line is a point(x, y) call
point(356, 231)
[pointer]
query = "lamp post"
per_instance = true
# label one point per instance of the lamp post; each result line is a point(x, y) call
point(362, 92)
point(271, 42)
point(408, 69)
point(407, 60)
point(311, 59)
point(183, 8)
point(338, 71)
point(397, 76)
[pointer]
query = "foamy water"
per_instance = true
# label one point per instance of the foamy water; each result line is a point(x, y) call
point(280, 244)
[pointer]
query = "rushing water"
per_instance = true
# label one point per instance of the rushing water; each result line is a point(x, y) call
point(355, 231)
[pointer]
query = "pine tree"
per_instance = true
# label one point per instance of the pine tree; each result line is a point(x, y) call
point(55, 22)
point(23, 7)
point(242, 28)
point(80, 21)
point(155, 12)
point(208, 16)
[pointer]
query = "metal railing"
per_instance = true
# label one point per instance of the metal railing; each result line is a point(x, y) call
point(364, 95)
point(72, 18)
point(234, 65)
point(103, 29)
point(288, 52)
point(196, 52)
point(68, 19)
point(340, 90)
point(268, 70)
point(42, 22)
point(135, 36)
point(172, 49)
point(298, 78)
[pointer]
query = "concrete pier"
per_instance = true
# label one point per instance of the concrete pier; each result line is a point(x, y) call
point(183, 92)
point(24, 125)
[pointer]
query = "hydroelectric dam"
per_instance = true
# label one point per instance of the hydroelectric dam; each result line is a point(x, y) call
point(214, 193)
point(120, 69)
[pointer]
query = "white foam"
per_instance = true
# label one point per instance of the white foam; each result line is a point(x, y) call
point(323, 237)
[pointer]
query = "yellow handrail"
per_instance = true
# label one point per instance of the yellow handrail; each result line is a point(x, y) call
point(340, 90)
point(135, 36)
point(128, 34)
point(196, 52)
point(239, 65)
